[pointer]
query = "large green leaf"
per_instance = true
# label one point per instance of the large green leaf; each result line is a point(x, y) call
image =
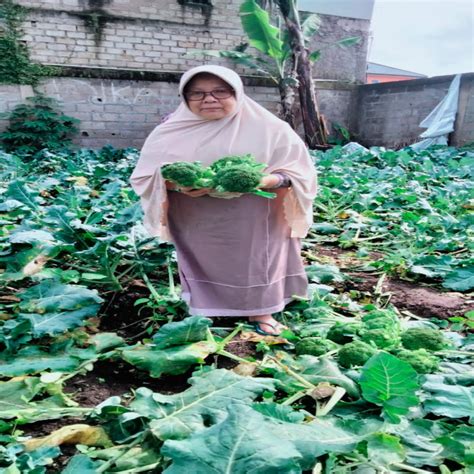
point(203, 404)
point(50, 296)
point(453, 401)
point(391, 384)
point(56, 323)
point(314, 370)
point(459, 445)
point(419, 438)
point(33, 360)
point(172, 360)
point(191, 329)
point(248, 442)
point(244, 443)
point(325, 274)
point(310, 26)
point(349, 41)
point(19, 191)
point(53, 308)
point(384, 449)
point(17, 400)
point(461, 279)
point(80, 464)
point(261, 33)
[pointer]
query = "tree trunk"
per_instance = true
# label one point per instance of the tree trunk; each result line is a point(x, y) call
point(287, 101)
point(314, 131)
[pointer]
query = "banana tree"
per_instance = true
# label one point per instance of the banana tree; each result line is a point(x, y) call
point(315, 133)
point(285, 59)
point(275, 62)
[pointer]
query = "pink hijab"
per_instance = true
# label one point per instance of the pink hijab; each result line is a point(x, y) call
point(250, 128)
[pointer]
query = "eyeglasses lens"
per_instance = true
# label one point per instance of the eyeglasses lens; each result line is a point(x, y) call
point(217, 94)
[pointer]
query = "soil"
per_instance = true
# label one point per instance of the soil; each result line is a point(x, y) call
point(419, 298)
point(421, 301)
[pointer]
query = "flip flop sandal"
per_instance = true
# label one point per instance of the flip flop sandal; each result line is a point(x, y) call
point(259, 330)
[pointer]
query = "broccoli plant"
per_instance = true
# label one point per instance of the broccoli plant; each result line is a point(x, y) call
point(382, 328)
point(355, 353)
point(315, 346)
point(421, 360)
point(424, 338)
point(343, 333)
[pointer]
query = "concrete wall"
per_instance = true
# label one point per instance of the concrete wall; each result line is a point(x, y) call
point(121, 112)
point(388, 114)
point(336, 63)
point(121, 108)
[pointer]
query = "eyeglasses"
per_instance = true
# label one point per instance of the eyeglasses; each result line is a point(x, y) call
point(217, 94)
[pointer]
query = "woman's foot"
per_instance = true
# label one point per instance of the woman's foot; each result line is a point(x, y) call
point(267, 325)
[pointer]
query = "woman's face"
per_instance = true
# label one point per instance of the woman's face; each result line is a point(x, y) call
point(209, 107)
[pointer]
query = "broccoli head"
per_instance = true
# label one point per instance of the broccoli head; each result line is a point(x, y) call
point(342, 333)
point(183, 173)
point(424, 338)
point(421, 360)
point(381, 327)
point(231, 161)
point(355, 353)
point(382, 338)
point(238, 179)
point(315, 346)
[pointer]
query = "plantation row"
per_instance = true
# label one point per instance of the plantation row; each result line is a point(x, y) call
point(354, 386)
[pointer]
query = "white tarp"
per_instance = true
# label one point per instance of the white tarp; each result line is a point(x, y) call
point(440, 122)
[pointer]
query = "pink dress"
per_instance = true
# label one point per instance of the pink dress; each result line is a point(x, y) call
point(235, 256)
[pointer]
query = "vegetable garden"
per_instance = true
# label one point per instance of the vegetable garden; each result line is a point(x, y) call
point(102, 372)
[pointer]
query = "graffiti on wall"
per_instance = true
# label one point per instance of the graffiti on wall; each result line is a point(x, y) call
point(107, 92)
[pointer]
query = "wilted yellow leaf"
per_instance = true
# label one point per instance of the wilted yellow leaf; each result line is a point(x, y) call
point(252, 336)
point(246, 369)
point(35, 265)
point(73, 434)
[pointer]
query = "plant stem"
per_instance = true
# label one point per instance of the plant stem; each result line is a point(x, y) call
point(148, 467)
point(111, 461)
point(298, 377)
point(470, 353)
point(410, 468)
point(152, 289)
point(295, 397)
point(231, 335)
point(336, 396)
point(233, 357)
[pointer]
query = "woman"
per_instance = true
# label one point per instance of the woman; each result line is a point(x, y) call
point(238, 256)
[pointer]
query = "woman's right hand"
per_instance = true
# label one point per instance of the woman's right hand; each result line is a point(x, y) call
point(191, 192)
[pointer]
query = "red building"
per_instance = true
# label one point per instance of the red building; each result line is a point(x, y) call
point(379, 73)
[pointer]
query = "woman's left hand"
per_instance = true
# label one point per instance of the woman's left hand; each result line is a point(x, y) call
point(268, 181)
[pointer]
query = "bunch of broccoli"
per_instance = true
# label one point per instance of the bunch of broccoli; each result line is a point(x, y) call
point(379, 329)
point(237, 174)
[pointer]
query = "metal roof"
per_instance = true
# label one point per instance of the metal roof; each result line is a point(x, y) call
point(374, 68)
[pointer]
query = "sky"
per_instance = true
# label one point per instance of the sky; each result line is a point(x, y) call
point(431, 37)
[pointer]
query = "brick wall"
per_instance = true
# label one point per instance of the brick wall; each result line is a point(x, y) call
point(389, 114)
point(155, 36)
